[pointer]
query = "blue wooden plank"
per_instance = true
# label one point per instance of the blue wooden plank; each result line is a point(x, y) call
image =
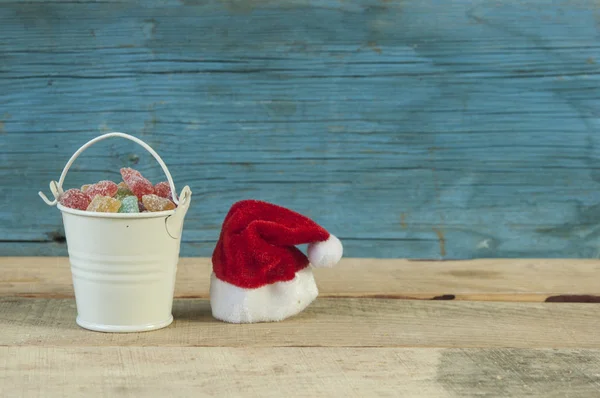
point(420, 129)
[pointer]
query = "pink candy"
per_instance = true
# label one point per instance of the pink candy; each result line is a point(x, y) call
point(139, 185)
point(102, 188)
point(163, 190)
point(75, 199)
point(107, 196)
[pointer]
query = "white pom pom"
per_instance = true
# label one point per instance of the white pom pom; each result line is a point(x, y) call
point(325, 254)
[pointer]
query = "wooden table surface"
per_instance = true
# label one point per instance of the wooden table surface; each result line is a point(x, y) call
point(379, 328)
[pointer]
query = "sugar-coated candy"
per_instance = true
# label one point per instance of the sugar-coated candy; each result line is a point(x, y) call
point(102, 188)
point(123, 192)
point(135, 194)
point(104, 204)
point(129, 204)
point(163, 189)
point(75, 199)
point(156, 203)
point(136, 182)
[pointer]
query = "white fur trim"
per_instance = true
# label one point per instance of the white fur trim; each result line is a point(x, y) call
point(268, 303)
point(327, 253)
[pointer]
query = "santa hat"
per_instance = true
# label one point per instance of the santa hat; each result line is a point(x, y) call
point(258, 273)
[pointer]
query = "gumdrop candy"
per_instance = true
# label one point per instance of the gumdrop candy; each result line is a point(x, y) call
point(75, 199)
point(102, 188)
point(129, 204)
point(163, 189)
point(136, 182)
point(156, 203)
point(123, 191)
point(104, 204)
point(85, 187)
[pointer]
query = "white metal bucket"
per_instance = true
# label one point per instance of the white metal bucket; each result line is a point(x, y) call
point(123, 264)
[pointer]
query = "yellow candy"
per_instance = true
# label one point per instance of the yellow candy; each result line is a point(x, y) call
point(156, 203)
point(85, 187)
point(104, 204)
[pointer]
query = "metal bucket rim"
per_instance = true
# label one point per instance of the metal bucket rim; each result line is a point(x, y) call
point(95, 214)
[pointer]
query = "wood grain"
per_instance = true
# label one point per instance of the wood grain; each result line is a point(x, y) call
point(485, 279)
point(357, 339)
point(328, 323)
point(299, 372)
point(419, 129)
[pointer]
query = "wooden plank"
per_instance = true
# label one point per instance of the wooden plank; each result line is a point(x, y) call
point(214, 372)
point(420, 129)
point(311, 372)
point(485, 279)
point(327, 322)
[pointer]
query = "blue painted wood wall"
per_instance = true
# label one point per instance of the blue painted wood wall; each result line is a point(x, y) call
point(421, 129)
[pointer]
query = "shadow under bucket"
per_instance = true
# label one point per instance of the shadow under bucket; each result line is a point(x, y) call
point(123, 264)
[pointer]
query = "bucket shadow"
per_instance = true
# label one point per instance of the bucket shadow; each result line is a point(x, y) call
point(192, 310)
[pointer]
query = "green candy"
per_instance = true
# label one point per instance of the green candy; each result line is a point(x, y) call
point(122, 193)
point(129, 204)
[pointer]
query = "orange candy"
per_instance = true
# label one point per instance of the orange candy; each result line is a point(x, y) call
point(156, 203)
point(104, 204)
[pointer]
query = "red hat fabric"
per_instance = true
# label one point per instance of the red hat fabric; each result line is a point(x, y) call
point(257, 244)
point(258, 273)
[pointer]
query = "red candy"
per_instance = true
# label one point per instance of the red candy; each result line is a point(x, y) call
point(102, 188)
point(136, 182)
point(163, 190)
point(75, 199)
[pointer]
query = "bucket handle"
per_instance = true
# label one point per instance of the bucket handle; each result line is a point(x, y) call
point(56, 187)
